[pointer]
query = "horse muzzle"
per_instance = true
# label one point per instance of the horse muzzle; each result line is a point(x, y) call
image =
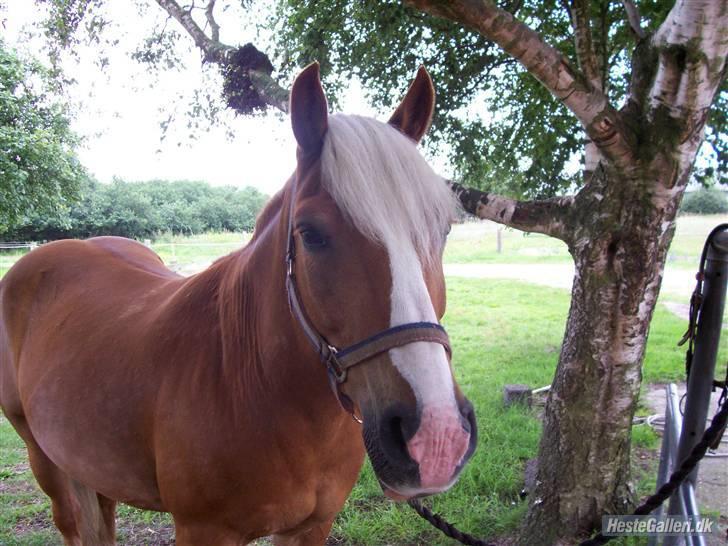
point(419, 452)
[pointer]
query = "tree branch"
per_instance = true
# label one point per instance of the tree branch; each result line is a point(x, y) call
point(547, 216)
point(585, 55)
point(602, 123)
point(248, 83)
point(214, 27)
point(633, 18)
point(213, 51)
point(692, 49)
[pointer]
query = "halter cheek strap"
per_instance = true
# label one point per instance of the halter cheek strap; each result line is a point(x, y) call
point(339, 360)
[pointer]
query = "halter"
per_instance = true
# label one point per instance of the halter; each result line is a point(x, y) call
point(339, 360)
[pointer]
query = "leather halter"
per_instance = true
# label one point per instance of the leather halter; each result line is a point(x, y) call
point(339, 360)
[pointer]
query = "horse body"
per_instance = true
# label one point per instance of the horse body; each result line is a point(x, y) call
point(147, 414)
point(201, 396)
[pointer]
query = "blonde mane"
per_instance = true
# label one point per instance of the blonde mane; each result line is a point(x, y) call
point(381, 182)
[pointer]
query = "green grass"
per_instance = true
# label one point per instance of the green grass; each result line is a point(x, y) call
point(502, 332)
point(175, 250)
point(476, 242)
point(8, 257)
point(690, 234)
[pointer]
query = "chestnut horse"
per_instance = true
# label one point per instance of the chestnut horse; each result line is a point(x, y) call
point(204, 396)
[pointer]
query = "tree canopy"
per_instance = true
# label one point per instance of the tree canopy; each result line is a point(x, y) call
point(505, 132)
point(39, 170)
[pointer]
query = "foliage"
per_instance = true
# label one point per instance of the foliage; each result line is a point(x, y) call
point(505, 132)
point(144, 209)
point(39, 170)
point(502, 130)
point(705, 201)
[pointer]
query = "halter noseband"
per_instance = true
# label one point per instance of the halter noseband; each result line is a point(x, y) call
point(338, 361)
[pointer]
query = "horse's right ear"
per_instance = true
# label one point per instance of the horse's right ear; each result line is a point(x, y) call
point(414, 114)
point(309, 111)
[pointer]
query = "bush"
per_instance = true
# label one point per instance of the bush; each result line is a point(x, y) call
point(705, 201)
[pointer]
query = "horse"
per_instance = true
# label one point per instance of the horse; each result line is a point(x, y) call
point(226, 398)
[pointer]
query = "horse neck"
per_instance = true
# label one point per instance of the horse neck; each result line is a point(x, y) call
point(263, 348)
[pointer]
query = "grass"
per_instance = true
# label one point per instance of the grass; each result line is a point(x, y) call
point(477, 242)
point(177, 250)
point(8, 257)
point(494, 346)
point(690, 234)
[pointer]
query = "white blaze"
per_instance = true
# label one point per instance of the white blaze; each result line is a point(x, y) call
point(423, 365)
point(383, 185)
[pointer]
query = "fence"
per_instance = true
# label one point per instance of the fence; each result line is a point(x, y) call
point(11, 251)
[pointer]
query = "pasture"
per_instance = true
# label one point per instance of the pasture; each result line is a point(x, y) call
point(502, 332)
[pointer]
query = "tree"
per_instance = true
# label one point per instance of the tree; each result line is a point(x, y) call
point(705, 201)
point(39, 170)
point(618, 224)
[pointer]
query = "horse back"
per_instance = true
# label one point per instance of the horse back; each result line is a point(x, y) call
point(101, 276)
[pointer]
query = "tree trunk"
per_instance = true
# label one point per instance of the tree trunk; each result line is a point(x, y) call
point(619, 249)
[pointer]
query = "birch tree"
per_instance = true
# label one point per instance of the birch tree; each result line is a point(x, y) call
point(618, 228)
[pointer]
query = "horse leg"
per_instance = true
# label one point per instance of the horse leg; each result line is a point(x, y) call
point(83, 517)
point(95, 516)
point(314, 536)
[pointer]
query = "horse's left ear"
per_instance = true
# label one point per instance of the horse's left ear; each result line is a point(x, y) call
point(309, 111)
point(414, 114)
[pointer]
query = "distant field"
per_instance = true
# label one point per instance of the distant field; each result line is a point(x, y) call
point(471, 242)
point(183, 251)
point(477, 242)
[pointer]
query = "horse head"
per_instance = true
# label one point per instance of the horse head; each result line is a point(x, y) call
point(368, 224)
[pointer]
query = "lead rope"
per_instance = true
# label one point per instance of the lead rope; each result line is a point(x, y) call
point(448, 529)
point(711, 437)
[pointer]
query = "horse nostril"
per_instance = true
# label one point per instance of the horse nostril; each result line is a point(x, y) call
point(467, 417)
point(396, 429)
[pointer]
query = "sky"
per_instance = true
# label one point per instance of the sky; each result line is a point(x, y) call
point(119, 110)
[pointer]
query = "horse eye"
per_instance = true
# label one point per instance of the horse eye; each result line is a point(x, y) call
point(312, 239)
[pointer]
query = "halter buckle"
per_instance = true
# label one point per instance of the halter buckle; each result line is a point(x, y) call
point(334, 366)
